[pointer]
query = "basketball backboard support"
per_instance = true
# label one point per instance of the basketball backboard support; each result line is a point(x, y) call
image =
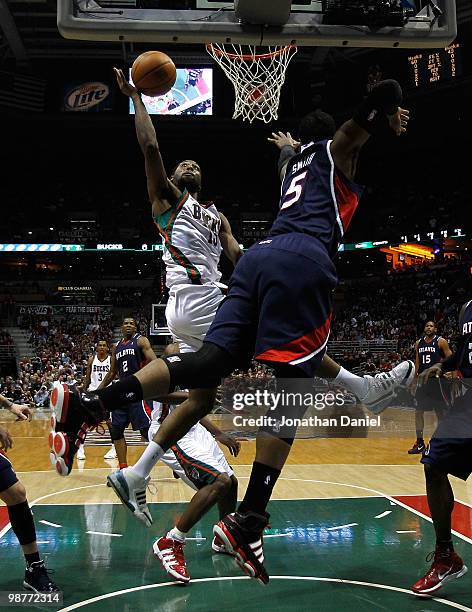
point(432, 24)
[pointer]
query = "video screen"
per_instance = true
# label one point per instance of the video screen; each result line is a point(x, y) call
point(192, 94)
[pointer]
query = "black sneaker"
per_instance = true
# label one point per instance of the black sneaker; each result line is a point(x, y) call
point(417, 448)
point(73, 415)
point(37, 579)
point(242, 537)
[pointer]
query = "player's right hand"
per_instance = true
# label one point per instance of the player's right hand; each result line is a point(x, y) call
point(126, 88)
point(434, 371)
point(282, 140)
point(5, 440)
point(399, 121)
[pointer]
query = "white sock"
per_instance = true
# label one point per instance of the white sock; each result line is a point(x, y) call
point(357, 384)
point(176, 534)
point(152, 453)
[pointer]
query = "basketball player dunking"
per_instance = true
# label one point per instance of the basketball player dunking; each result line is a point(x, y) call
point(430, 349)
point(278, 309)
point(13, 494)
point(449, 452)
point(98, 366)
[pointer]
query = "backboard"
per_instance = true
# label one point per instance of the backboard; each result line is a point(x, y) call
point(334, 23)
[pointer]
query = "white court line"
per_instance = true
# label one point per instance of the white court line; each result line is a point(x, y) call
point(277, 535)
point(42, 541)
point(112, 535)
point(406, 531)
point(394, 502)
point(342, 581)
point(50, 524)
point(386, 513)
point(341, 526)
point(196, 539)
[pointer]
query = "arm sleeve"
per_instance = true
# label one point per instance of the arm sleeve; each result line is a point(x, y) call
point(286, 154)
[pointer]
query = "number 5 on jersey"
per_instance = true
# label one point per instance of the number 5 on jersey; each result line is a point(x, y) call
point(294, 190)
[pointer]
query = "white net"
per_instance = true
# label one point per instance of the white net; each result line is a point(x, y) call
point(257, 78)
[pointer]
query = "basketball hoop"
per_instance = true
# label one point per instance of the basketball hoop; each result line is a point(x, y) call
point(257, 78)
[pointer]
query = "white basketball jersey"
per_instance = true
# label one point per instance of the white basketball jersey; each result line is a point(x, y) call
point(191, 237)
point(99, 370)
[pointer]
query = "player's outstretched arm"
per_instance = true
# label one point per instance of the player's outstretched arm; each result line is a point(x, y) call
point(288, 147)
point(380, 106)
point(445, 348)
point(21, 411)
point(162, 192)
point(228, 241)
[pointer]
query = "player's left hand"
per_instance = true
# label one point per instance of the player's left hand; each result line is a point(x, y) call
point(233, 444)
point(21, 411)
point(399, 121)
point(282, 140)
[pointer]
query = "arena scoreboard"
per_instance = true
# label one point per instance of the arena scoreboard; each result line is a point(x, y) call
point(433, 66)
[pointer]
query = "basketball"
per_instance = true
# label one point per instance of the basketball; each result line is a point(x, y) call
point(153, 73)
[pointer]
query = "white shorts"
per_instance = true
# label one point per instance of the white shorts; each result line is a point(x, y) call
point(196, 457)
point(190, 312)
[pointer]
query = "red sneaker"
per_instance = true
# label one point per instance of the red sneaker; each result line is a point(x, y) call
point(171, 555)
point(218, 546)
point(446, 567)
point(242, 536)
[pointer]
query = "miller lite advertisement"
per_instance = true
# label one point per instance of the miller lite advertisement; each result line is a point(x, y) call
point(91, 96)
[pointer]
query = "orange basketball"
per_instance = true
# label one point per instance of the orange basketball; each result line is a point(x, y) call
point(153, 73)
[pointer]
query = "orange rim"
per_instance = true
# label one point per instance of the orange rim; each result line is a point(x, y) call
point(247, 57)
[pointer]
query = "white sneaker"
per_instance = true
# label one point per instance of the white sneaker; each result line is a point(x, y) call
point(111, 453)
point(383, 388)
point(131, 489)
point(81, 453)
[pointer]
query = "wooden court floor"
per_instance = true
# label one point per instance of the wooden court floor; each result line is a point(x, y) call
point(349, 526)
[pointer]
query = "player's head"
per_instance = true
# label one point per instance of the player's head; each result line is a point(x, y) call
point(128, 327)
point(187, 175)
point(102, 348)
point(430, 328)
point(315, 126)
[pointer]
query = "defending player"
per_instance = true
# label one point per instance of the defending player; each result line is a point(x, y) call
point(278, 309)
point(449, 452)
point(430, 349)
point(98, 367)
point(13, 494)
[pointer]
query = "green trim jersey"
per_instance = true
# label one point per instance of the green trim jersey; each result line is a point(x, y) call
point(191, 237)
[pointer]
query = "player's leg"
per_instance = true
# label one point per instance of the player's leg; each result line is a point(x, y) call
point(13, 494)
point(375, 392)
point(443, 456)
point(419, 445)
point(205, 466)
point(120, 419)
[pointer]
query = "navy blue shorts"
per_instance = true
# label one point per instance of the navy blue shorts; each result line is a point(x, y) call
point(429, 397)
point(450, 448)
point(279, 304)
point(139, 415)
point(7, 476)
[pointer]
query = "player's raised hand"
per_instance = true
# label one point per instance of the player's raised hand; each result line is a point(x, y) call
point(126, 88)
point(399, 121)
point(282, 140)
point(233, 444)
point(5, 440)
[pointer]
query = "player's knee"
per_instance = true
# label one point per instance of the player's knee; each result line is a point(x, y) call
point(17, 494)
point(223, 484)
point(116, 433)
point(434, 475)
